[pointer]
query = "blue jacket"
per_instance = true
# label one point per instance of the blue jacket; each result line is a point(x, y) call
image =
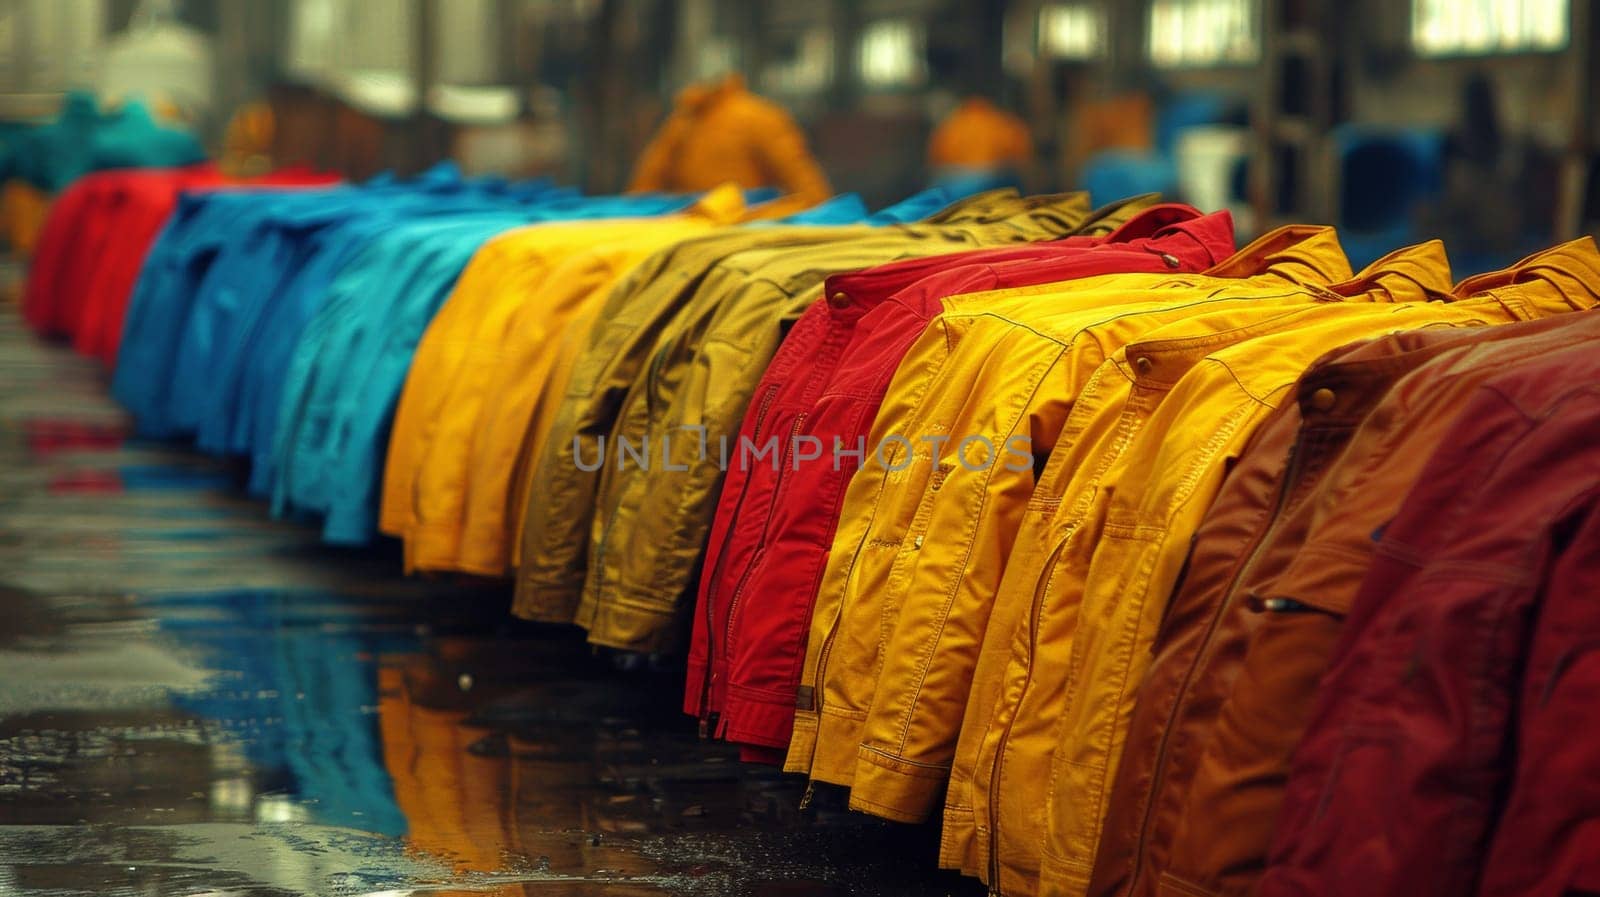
point(351, 359)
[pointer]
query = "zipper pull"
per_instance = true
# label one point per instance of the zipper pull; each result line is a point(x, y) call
point(805, 799)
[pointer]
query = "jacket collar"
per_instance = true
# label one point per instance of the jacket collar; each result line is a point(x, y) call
point(1296, 253)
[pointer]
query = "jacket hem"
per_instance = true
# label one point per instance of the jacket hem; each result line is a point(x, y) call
point(838, 737)
point(759, 723)
point(343, 526)
point(801, 744)
point(631, 627)
point(544, 603)
point(763, 755)
point(958, 841)
point(894, 787)
point(1060, 876)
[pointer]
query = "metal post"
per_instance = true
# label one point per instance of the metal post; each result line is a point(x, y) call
point(424, 142)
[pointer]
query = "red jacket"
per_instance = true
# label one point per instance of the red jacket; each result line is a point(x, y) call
point(774, 524)
point(98, 226)
point(1450, 751)
point(94, 243)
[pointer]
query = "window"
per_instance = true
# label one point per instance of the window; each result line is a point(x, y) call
point(50, 45)
point(1472, 27)
point(1203, 32)
point(1071, 31)
point(891, 54)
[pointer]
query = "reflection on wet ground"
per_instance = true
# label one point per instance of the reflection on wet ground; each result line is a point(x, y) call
point(195, 699)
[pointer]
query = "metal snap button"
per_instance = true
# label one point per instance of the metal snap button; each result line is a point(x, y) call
point(1144, 365)
point(839, 300)
point(1323, 399)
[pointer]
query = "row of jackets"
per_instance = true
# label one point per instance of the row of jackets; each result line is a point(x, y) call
point(1057, 522)
point(1114, 667)
point(280, 324)
point(111, 218)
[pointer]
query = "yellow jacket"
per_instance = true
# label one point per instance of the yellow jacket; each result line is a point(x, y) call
point(457, 359)
point(980, 135)
point(559, 502)
point(651, 526)
point(701, 360)
point(1017, 689)
point(532, 373)
point(722, 132)
point(1180, 459)
point(905, 597)
point(1085, 614)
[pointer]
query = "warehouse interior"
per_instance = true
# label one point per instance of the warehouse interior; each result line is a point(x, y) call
point(364, 366)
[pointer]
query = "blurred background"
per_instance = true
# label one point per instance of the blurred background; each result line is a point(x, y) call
point(1395, 119)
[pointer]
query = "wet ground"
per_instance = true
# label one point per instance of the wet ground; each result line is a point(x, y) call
point(195, 699)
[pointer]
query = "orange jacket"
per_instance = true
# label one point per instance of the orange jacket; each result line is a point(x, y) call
point(722, 132)
point(980, 135)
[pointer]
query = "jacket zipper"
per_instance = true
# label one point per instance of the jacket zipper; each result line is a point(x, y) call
point(1291, 470)
point(597, 565)
point(744, 578)
point(827, 645)
point(708, 718)
point(1005, 733)
point(822, 660)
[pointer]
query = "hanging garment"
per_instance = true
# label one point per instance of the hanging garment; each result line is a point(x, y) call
point(1056, 609)
point(469, 354)
point(533, 378)
point(94, 242)
point(1134, 570)
point(178, 278)
point(774, 521)
point(1235, 757)
point(144, 208)
point(245, 405)
point(722, 132)
point(639, 315)
point(979, 136)
point(249, 277)
point(1260, 483)
point(1048, 326)
point(937, 598)
point(640, 584)
point(349, 366)
point(1441, 757)
point(467, 527)
point(351, 362)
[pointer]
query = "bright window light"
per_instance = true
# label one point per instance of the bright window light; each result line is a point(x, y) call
point(1480, 27)
point(891, 54)
point(1203, 32)
point(1071, 31)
